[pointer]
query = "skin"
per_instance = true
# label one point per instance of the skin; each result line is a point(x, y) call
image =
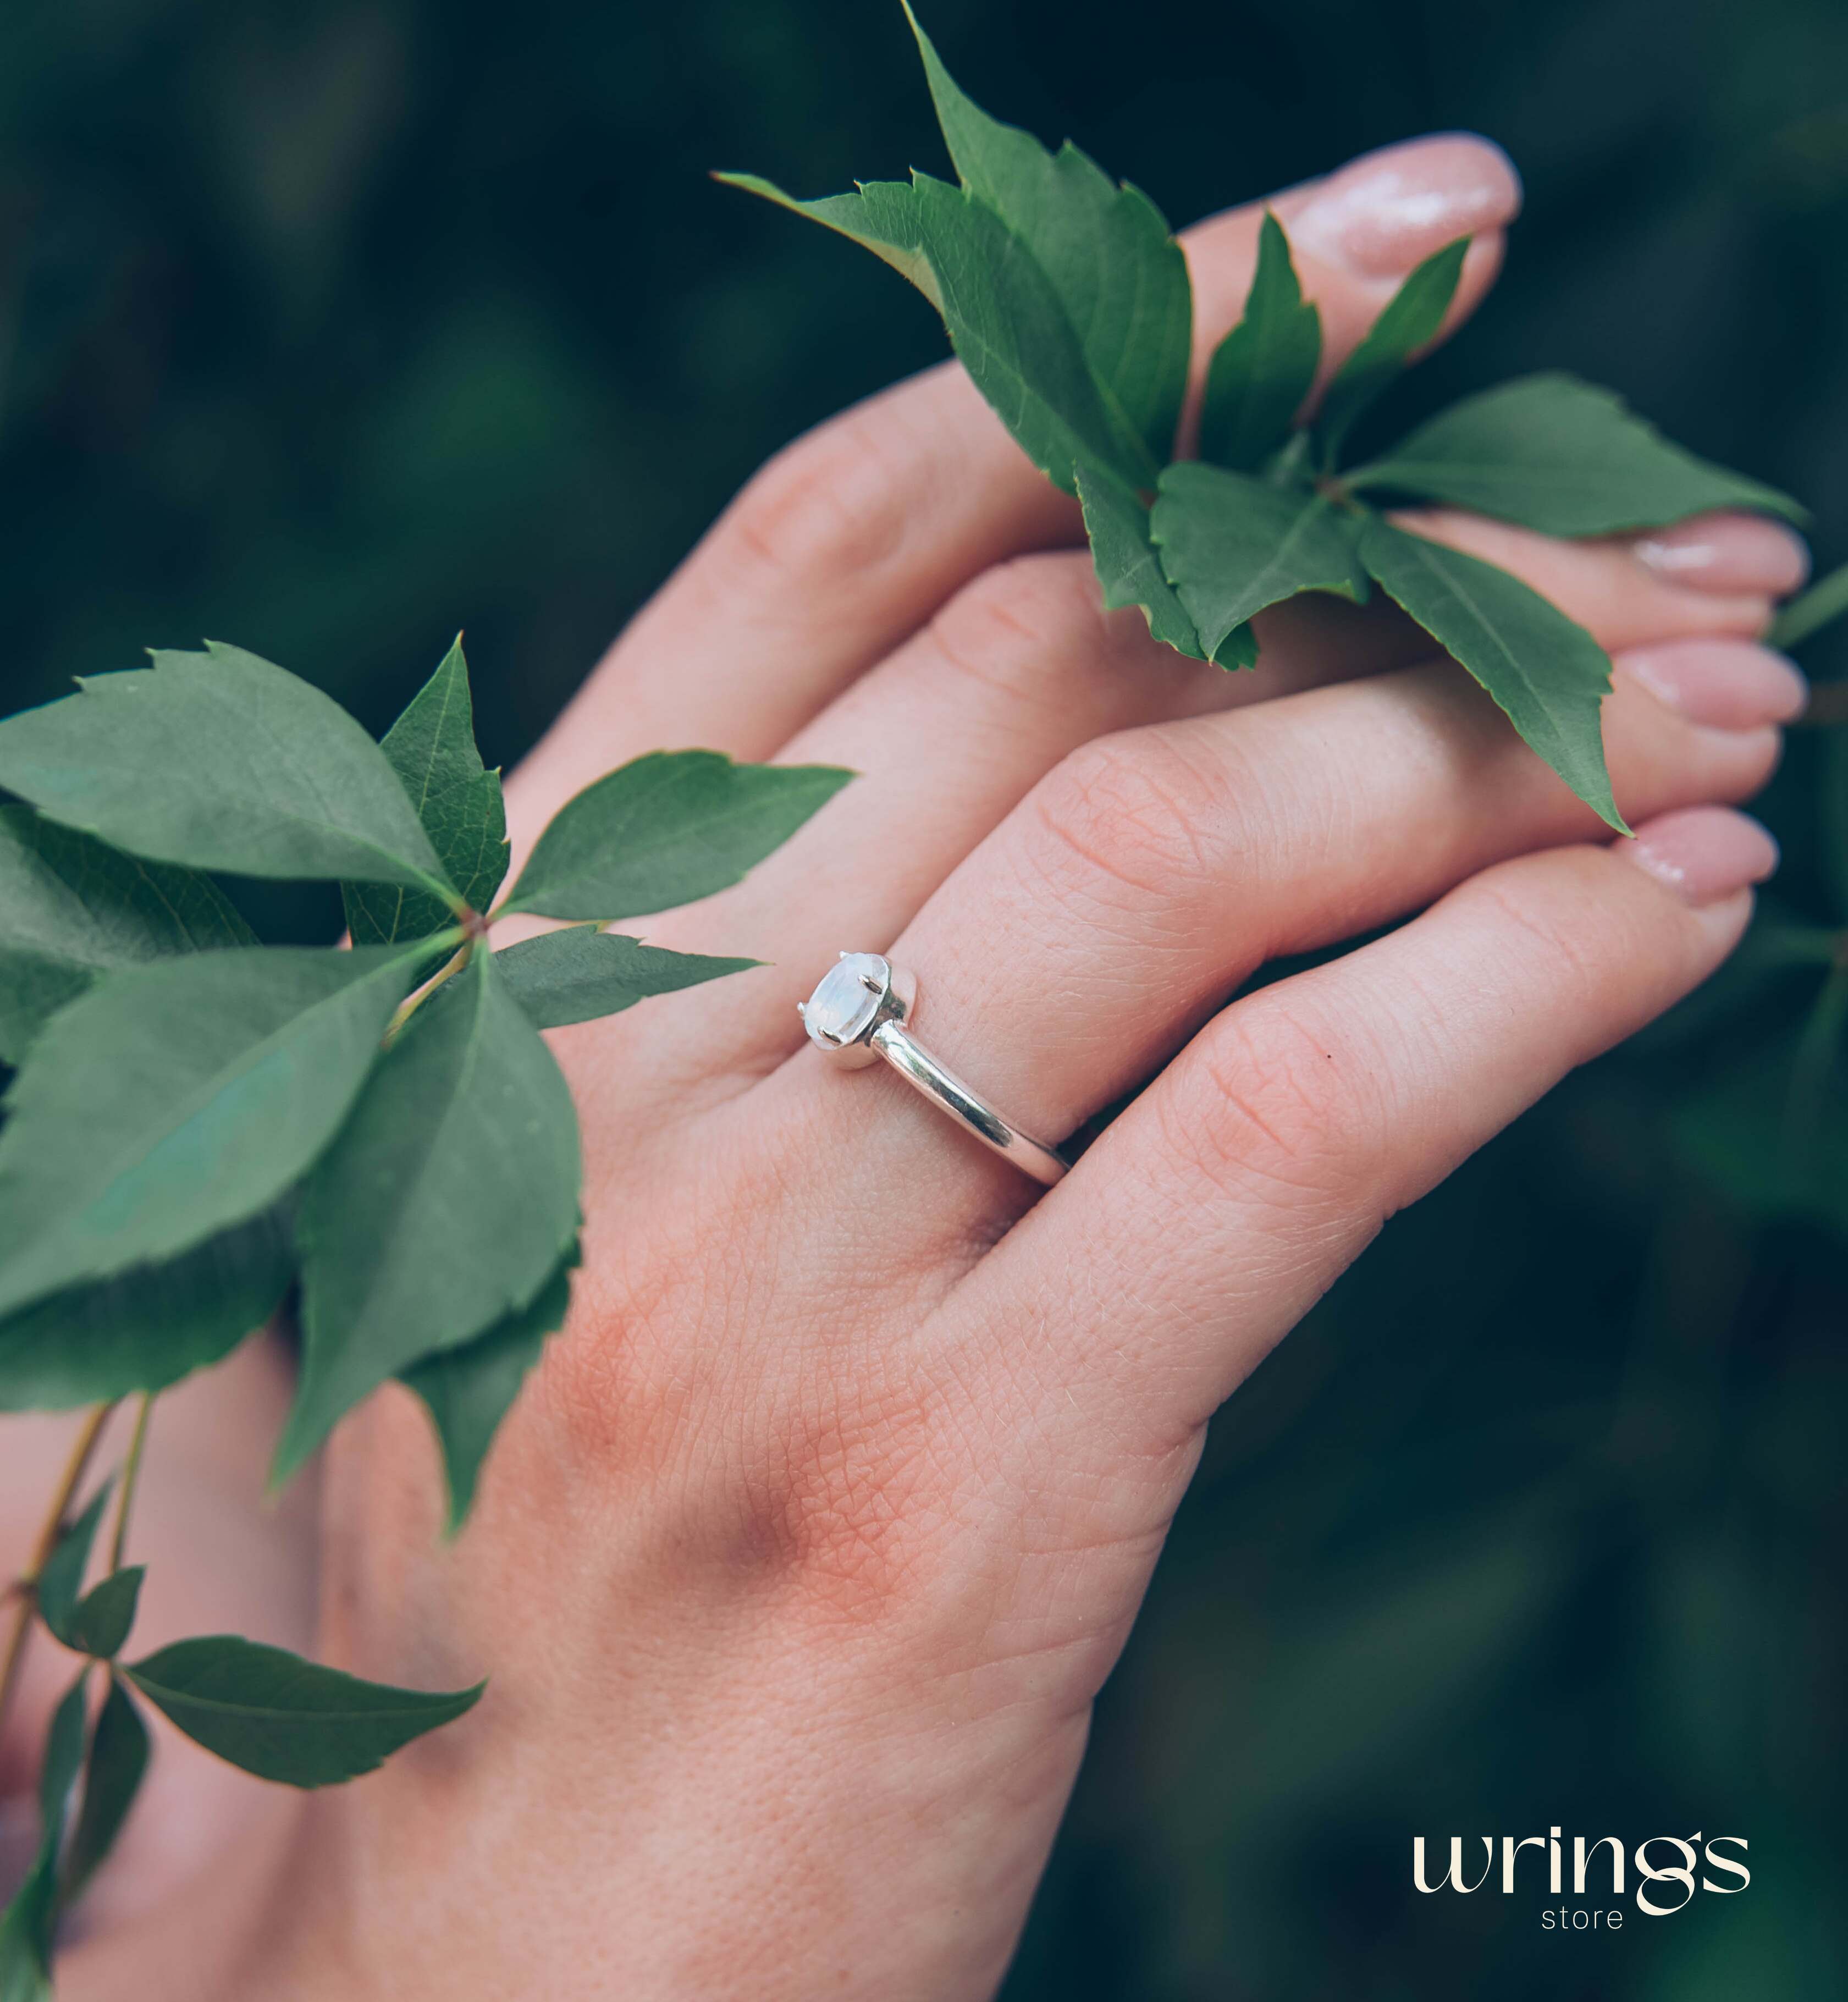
point(799, 1563)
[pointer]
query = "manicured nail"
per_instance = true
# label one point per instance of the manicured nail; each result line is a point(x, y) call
point(1725, 684)
point(1386, 212)
point(1703, 854)
point(1728, 553)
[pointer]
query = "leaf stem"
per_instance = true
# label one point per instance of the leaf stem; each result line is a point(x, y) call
point(131, 1474)
point(412, 1003)
point(82, 1449)
point(1813, 611)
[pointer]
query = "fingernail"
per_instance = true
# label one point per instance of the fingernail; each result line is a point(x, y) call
point(1728, 553)
point(1386, 212)
point(1724, 684)
point(1703, 854)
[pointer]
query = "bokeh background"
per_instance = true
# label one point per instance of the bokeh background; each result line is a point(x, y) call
point(328, 326)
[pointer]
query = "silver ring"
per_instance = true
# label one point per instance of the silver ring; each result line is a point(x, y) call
point(859, 1011)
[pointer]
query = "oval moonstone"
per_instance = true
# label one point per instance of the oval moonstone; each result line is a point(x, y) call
point(843, 1005)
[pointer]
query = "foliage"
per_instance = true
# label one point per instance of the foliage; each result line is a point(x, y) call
point(1069, 303)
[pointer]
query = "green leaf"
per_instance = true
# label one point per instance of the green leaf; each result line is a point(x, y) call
point(1552, 453)
point(1007, 323)
point(469, 1390)
point(150, 1326)
point(1231, 545)
point(60, 1582)
point(880, 216)
point(581, 973)
point(103, 1616)
point(1548, 674)
point(220, 760)
point(444, 1204)
point(71, 908)
point(1265, 367)
point(1130, 571)
point(664, 830)
point(1410, 321)
point(28, 1926)
point(432, 748)
point(283, 1718)
point(174, 1100)
point(112, 1777)
point(1820, 605)
point(1118, 272)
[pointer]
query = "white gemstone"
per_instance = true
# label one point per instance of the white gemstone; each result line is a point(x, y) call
point(842, 1007)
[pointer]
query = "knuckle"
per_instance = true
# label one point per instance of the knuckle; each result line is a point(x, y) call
point(833, 503)
point(1129, 813)
point(1275, 1104)
point(1019, 627)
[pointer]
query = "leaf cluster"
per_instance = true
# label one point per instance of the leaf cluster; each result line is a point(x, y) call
point(200, 1123)
point(1068, 302)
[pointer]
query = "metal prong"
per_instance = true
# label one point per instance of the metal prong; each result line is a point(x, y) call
point(871, 986)
point(802, 1010)
point(840, 955)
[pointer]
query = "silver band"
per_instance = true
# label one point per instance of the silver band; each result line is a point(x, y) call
point(858, 1012)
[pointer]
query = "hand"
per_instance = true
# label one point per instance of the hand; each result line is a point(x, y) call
point(799, 1564)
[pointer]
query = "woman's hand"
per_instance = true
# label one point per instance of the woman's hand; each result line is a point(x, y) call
point(801, 1560)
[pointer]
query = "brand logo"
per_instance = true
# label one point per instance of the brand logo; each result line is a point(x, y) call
point(1668, 1872)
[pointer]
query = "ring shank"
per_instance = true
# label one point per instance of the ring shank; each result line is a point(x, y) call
point(947, 1091)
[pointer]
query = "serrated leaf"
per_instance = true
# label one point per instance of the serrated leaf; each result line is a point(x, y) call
point(114, 1770)
point(174, 1100)
point(59, 1583)
point(581, 974)
point(1232, 545)
point(1555, 453)
point(1130, 571)
point(149, 1327)
point(1117, 270)
point(1410, 321)
point(282, 1718)
point(1547, 673)
point(1007, 324)
point(72, 908)
point(469, 1390)
point(28, 1926)
point(432, 748)
point(445, 1203)
point(102, 1617)
point(220, 760)
point(666, 829)
point(1263, 370)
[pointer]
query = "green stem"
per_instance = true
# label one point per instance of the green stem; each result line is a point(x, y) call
point(131, 1473)
point(1811, 612)
point(1817, 1050)
point(82, 1450)
point(412, 1003)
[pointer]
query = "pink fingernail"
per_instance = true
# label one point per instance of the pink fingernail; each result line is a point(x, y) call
point(1386, 212)
point(1703, 854)
point(1725, 684)
point(1728, 553)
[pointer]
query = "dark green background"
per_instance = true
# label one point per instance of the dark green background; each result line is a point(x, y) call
point(328, 328)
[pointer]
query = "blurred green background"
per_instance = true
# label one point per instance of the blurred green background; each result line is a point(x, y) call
point(330, 327)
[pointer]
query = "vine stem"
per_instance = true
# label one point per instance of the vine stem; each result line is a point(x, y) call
point(83, 1449)
point(131, 1473)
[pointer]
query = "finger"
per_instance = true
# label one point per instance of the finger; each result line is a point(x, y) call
point(1153, 872)
point(1020, 670)
point(854, 536)
point(1269, 1153)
